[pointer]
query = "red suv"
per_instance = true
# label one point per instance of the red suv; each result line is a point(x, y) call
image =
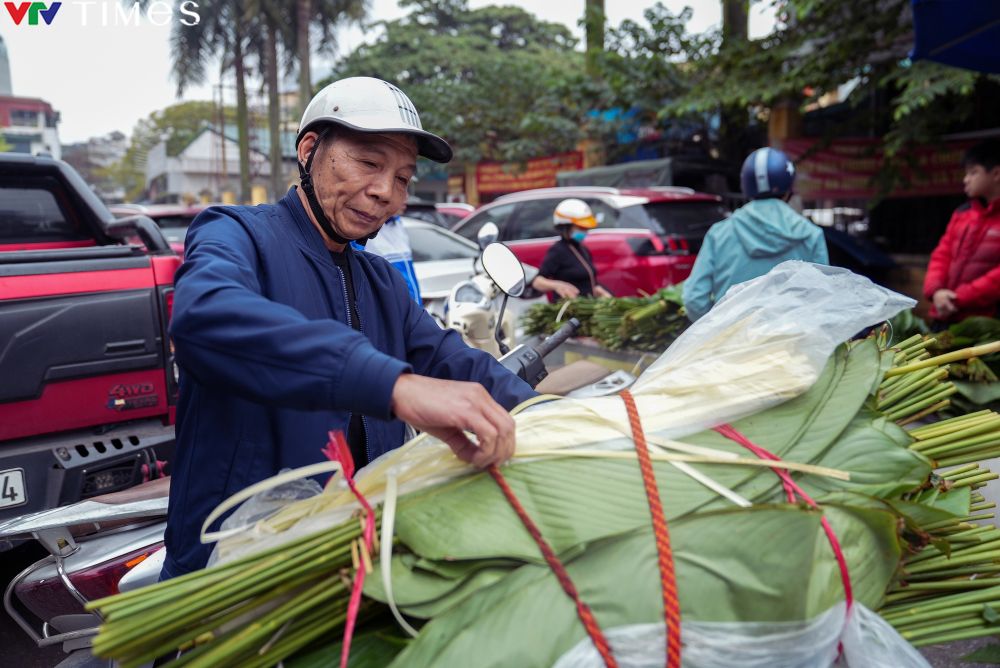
point(646, 238)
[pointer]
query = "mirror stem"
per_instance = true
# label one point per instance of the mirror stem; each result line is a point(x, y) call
point(503, 307)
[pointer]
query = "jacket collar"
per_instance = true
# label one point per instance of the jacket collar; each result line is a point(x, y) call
point(308, 236)
point(986, 209)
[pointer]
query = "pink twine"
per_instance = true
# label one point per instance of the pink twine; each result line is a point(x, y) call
point(338, 450)
point(791, 490)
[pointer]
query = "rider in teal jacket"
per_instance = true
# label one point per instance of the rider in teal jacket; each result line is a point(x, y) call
point(758, 236)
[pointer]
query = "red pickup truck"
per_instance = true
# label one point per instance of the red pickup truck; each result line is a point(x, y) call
point(88, 384)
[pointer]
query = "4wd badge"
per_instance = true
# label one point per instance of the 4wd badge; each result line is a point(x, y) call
point(123, 397)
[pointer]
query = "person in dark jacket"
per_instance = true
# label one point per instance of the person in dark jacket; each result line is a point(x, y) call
point(759, 235)
point(963, 276)
point(568, 268)
point(283, 331)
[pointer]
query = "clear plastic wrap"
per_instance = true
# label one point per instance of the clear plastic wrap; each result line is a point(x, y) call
point(867, 641)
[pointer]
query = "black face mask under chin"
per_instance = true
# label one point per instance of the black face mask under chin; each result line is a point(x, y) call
point(305, 176)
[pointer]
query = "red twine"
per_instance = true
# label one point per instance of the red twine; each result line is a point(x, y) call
point(338, 450)
point(582, 610)
point(791, 490)
point(668, 576)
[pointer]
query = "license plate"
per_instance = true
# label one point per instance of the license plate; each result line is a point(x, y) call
point(12, 488)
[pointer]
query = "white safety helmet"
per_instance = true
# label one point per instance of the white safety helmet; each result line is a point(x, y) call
point(574, 212)
point(365, 104)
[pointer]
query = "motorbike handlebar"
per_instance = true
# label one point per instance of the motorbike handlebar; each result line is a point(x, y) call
point(560, 335)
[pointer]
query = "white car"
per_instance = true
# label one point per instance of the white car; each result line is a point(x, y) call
point(441, 259)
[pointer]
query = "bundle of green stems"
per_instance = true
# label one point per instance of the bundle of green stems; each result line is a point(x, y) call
point(266, 606)
point(948, 589)
point(640, 323)
point(250, 612)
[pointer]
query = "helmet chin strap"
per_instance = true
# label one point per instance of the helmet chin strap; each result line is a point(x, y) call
point(305, 176)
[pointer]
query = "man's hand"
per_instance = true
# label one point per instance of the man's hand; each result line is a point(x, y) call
point(602, 291)
point(446, 408)
point(944, 302)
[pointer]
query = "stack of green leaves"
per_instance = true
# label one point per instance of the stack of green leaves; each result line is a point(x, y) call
point(618, 323)
point(975, 379)
point(467, 573)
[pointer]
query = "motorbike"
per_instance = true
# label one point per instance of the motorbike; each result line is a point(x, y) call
point(474, 308)
point(97, 547)
point(113, 543)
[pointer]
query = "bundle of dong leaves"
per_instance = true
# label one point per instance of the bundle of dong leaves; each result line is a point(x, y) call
point(635, 323)
point(467, 575)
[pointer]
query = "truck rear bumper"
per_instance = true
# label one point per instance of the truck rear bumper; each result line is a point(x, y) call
point(49, 471)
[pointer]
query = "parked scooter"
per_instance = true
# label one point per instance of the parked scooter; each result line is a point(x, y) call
point(473, 308)
point(93, 546)
point(113, 543)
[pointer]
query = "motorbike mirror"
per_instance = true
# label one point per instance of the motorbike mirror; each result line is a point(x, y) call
point(488, 233)
point(503, 267)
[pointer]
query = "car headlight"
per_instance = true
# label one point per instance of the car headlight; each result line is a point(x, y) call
point(469, 294)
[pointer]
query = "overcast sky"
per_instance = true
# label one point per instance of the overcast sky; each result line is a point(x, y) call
point(103, 73)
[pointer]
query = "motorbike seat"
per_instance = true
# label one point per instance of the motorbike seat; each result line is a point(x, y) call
point(154, 489)
point(571, 377)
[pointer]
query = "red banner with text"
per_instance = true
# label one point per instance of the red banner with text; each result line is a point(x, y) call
point(847, 169)
point(494, 178)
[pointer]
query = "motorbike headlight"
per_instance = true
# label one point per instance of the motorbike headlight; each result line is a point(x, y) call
point(469, 294)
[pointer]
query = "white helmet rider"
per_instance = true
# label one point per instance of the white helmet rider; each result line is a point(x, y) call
point(574, 211)
point(362, 104)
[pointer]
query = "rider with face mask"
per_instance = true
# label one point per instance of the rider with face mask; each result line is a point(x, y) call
point(568, 268)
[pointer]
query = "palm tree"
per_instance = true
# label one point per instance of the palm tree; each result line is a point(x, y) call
point(288, 27)
point(277, 30)
point(325, 16)
point(225, 27)
point(273, 107)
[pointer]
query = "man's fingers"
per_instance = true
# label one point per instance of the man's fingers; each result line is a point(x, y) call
point(503, 425)
point(447, 409)
point(457, 441)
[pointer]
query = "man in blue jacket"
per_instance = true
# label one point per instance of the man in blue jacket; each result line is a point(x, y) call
point(284, 332)
point(760, 235)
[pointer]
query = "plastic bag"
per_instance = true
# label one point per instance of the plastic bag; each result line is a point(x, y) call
point(867, 641)
point(261, 506)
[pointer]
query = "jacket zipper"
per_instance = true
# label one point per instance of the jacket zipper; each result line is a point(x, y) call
point(347, 308)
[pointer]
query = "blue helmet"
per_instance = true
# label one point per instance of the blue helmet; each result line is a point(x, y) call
point(767, 172)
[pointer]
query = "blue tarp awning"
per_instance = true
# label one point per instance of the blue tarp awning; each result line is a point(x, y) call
point(960, 33)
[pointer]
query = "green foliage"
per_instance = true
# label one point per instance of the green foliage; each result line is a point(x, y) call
point(494, 81)
point(178, 124)
point(816, 47)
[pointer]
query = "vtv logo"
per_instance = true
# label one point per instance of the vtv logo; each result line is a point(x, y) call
point(33, 10)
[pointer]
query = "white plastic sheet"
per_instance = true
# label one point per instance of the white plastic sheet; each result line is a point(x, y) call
point(866, 641)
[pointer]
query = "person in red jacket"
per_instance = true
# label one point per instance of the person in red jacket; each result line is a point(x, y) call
point(963, 277)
